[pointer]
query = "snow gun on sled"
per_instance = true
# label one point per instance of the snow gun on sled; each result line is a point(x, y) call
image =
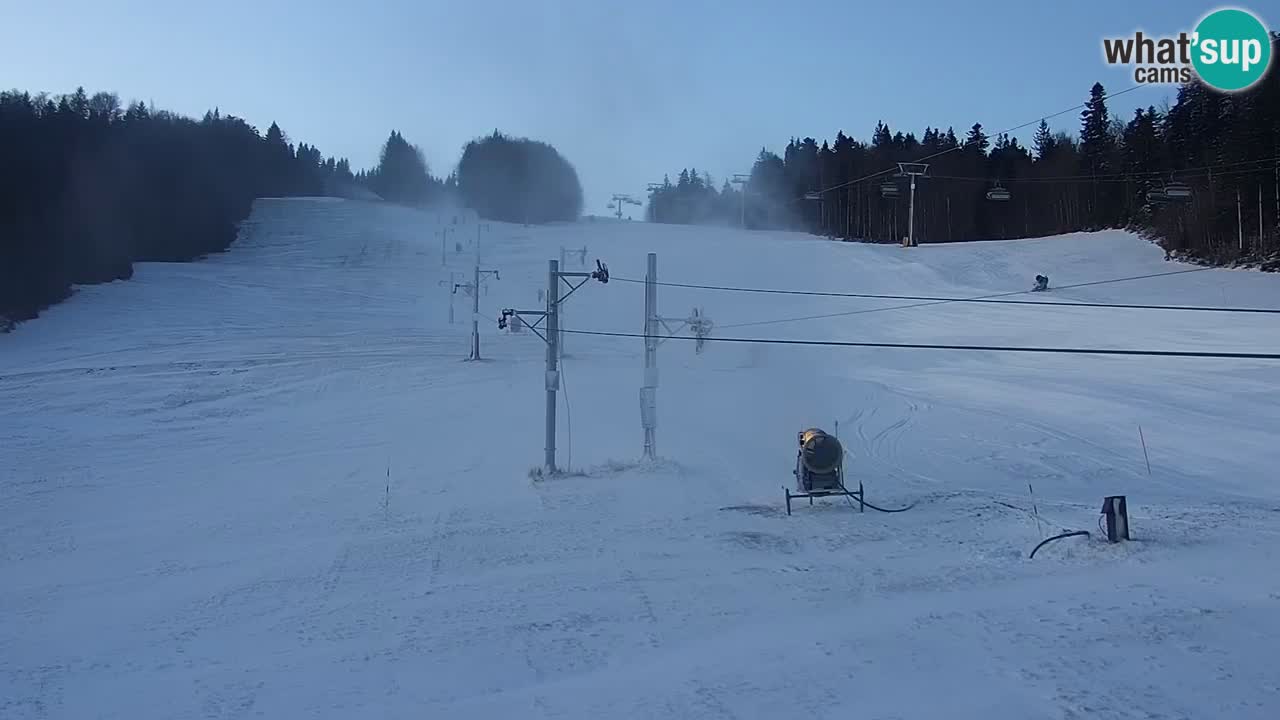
point(820, 469)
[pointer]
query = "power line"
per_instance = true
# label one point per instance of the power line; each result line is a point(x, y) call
point(932, 346)
point(943, 302)
point(988, 299)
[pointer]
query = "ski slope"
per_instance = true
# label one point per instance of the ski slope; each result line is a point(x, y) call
point(267, 485)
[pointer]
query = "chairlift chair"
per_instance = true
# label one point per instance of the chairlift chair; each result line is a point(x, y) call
point(1177, 191)
point(1154, 193)
point(998, 193)
point(889, 189)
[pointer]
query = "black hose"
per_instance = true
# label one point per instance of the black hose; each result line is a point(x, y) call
point(893, 510)
point(1046, 541)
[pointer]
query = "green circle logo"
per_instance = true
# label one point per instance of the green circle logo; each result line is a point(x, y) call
point(1232, 50)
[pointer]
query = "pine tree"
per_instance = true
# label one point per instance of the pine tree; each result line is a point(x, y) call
point(1096, 141)
point(1043, 141)
point(976, 141)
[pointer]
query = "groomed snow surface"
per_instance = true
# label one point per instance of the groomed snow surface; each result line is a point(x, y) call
point(268, 485)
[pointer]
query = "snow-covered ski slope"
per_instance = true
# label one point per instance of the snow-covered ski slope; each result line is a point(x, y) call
point(267, 485)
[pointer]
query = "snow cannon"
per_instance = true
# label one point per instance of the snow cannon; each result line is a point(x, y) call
point(820, 468)
point(820, 456)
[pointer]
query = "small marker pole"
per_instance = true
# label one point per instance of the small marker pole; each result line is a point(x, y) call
point(1144, 450)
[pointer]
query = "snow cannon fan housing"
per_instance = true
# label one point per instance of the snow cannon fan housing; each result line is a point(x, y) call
point(819, 461)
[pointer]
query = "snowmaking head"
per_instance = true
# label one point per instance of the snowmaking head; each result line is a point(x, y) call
point(819, 452)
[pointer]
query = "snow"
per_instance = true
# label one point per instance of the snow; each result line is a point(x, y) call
point(267, 485)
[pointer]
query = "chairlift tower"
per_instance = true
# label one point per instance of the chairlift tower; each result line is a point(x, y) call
point(619, 200)
point(914, 170)
point(741, 180)
point(651, 189)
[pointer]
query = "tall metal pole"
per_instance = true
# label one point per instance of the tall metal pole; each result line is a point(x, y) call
point(560, 340)
point(649, 392)
point(1239, 221)
point(911, 215)
point(553, 353)
point(475, 309)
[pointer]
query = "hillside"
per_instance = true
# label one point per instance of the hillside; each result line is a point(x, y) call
point(266, 484)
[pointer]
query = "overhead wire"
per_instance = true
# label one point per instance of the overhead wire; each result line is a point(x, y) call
point(940, 346)
point(993, 299)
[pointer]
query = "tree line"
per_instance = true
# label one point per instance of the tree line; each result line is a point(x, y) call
point(1200, 177)
point(88, 187)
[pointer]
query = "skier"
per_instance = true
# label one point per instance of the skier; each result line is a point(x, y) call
point(1042, 283)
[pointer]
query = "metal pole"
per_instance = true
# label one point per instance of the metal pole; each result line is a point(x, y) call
point(1239, 221)
point(475, 309)
point(911, 215)
point(560, 340)
point(649, 392)
point(553, 376)
point(1259, 246)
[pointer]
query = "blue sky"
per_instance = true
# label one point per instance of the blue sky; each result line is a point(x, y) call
point(627, 91)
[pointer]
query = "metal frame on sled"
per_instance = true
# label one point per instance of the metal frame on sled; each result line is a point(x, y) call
point(811, 483)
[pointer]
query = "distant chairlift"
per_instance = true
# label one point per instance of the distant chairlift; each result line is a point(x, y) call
point(1171, 193)
point(998, 193)
point(889, 190)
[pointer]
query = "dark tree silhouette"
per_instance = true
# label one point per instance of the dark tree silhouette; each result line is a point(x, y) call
point(1108, 174)
point(518, 180)
point(87, 190)
point(402, 175)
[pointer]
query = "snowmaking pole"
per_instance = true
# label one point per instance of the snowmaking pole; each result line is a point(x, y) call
point(551, 337)
point(560, 316)
point(475, 304)
point(453, 286)
point(475, 309)
point(553, 354)
point(649, 391)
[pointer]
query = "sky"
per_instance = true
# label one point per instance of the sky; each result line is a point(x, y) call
point(627, 92)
